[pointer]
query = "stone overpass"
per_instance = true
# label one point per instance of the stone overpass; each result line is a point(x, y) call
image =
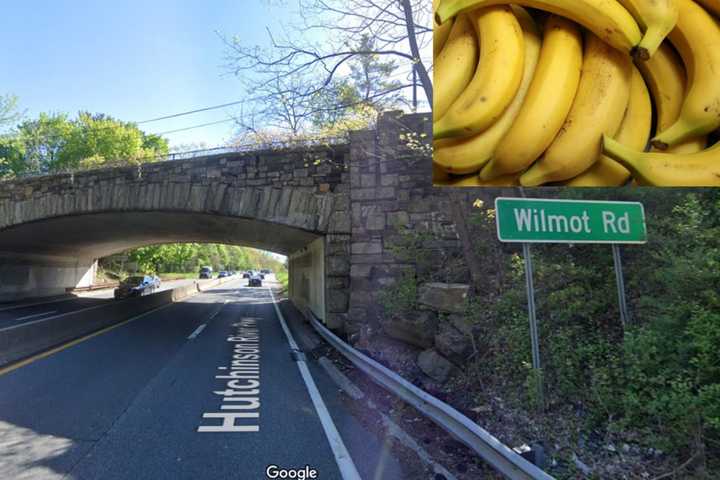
point(332, 209)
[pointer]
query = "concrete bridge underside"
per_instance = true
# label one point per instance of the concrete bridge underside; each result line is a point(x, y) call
point(43, 258)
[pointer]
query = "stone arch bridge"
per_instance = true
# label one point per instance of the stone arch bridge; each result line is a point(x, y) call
point(332, 209)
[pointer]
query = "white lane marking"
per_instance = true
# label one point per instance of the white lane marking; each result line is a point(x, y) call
point(342, 456)
point(50, 318)
point(35, 316)
point(197, 331)
point(26, 305)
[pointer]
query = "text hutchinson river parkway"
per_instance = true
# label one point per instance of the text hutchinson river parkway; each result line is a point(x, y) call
point(240, 409)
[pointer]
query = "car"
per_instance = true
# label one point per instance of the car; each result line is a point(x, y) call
point(206, 272)
point(265, 271)
point(223, 274)
point(247, 274)
point(136, 286)
point(255, 281)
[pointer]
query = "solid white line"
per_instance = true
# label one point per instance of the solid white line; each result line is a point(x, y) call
point(342, 456)
point(50, 318)
point(36, 315)
point(26, 305)
point(197, 331)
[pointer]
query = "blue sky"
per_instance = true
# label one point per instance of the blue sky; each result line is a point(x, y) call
point(132, 59)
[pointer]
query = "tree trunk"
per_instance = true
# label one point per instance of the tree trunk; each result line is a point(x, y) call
point(459, 217)
point(415, 50)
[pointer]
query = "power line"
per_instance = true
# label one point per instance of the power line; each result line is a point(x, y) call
point(192, 128)
point(182, 114)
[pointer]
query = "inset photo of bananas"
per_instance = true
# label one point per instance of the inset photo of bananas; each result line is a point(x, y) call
point(580, 93)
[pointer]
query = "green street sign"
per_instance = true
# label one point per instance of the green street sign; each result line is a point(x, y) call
point(534, 220)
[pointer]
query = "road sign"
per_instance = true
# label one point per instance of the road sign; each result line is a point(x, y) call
point(535, 220)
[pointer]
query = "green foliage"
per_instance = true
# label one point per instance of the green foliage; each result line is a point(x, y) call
point(282, 277)
point(9, 113)
point(400, 297)
point(660, 377)
point(55, 142)
point(189, 257)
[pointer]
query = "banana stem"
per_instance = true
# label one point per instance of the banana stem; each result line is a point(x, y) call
point(619, 152)
point(678, 132)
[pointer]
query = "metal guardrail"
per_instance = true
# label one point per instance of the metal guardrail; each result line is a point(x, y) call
point(501, 457)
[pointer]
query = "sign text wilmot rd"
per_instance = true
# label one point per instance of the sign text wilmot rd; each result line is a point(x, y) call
point(530, 220)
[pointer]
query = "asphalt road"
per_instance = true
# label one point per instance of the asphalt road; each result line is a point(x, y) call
point(142, 401)
point(29, 311)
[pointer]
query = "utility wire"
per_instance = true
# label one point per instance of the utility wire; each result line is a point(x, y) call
point(182, 114)
point(196, 126)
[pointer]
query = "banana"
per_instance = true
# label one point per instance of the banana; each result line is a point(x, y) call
point(711, 5)
point(496, 80)
point(665, 77)
point(668, 169)
point(658, 17)
point(440, 32)
point(455, 66)
point(605, 18)
point(598, 109)
point(468, 155)
point(634, 132)
point(547, 103)
point(439, 177)
point(697, 38)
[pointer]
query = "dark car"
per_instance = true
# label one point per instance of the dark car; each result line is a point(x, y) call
point(223, 274)
point(265, 271)
point(247, 274)
point(137, 286)
point(255, 281)
point(206, 272)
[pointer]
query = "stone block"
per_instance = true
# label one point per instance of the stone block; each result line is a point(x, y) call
point(453, 344)
point(435, 365)
point(416, 328)
point(444, 297)
point(367, 248)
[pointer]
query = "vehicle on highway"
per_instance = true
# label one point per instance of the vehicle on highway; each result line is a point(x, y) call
point(265, 271)
point(255, 281)
point(206, 272)
point(223, 274)
point(136, 286)
point(247, 274)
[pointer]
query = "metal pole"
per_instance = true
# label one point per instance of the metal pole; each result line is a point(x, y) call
point(533, 319)
point(617, 260)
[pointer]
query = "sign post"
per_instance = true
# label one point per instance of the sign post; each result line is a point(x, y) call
point(535, 220)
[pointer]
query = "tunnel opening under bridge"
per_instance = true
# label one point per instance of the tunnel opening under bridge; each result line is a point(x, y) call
point(46, 257)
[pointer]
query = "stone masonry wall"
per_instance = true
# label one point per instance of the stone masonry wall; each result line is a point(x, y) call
point(391, 192)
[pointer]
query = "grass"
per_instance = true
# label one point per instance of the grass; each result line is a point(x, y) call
point(282, 277)
point(178, 275)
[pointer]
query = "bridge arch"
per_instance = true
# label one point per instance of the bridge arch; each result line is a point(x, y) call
point(293, 202)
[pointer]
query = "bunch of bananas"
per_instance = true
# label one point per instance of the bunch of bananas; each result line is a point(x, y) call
point(570, 93)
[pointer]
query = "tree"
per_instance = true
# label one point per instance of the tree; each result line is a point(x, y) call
point(9, 113)
point(55, 142)
point(365, 41)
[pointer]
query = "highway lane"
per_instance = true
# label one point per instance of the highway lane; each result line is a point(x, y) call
point(134, 401)
point(30, 311)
